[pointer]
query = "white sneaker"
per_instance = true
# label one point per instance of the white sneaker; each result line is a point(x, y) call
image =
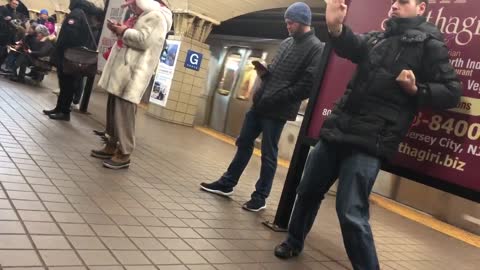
point(56, 91)
point(76, 107)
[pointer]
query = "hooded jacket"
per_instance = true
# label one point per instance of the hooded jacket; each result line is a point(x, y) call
point(129, 68)
point(375, 113)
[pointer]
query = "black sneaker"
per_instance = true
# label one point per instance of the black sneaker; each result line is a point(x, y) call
point(60, 116)
point(284, 251)
point(217, 188)
point(255, 205)
point(48, 112)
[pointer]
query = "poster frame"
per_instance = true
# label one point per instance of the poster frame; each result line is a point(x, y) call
point(165, 74)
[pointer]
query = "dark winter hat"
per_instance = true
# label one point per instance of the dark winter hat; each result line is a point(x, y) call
point(299, 12)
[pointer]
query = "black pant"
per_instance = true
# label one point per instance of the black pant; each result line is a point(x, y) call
point(69, 85)
point(22, 62)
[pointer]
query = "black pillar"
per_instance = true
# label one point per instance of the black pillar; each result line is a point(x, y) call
point(287, 199)
point(87, 92)
point(300, 154)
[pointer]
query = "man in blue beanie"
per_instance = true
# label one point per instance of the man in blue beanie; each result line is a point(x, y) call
point(43, 17)
point(299, 12)
point(285, 83)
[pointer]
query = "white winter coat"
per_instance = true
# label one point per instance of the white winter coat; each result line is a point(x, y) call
point(128, 70)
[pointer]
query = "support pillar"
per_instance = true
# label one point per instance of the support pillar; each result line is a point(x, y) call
point(188, 85)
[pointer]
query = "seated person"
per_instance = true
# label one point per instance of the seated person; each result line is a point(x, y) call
point(18, 47)
point(39, 48)
point(18, 33)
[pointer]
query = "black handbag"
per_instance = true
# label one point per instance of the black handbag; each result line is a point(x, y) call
point(81, 60)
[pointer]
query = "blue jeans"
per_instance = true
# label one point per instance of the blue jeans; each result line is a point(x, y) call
point(253, 125)
point(356, 172)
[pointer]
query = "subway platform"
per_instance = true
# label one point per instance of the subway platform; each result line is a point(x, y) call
point(60, 209)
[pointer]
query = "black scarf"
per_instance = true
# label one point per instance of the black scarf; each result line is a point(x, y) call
point(398, 26)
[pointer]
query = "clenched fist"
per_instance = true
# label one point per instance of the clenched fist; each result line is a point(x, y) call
point(407, 81)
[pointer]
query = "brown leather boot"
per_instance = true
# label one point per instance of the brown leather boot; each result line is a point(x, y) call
point(118, 161)
point(105, 153)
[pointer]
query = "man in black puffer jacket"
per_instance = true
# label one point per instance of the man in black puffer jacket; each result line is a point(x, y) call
point(74, 33)
point(285, 83)
point(399, 71)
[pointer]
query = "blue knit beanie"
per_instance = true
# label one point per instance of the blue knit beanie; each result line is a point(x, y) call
point(299, 12)
point(44, 11)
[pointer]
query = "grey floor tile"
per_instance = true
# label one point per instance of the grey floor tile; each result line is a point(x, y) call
point(60, 258)
point(119, 243)
point(97, 257)
point(15, 242)
point(86, 242)
point(19, 258)
point(42, 228)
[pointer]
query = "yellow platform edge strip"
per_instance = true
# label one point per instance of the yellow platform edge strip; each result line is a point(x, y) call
point(383, 202)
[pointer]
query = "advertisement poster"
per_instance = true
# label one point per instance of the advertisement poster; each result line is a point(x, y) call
point(108, 39)
point(165, 72)
point(443, 145)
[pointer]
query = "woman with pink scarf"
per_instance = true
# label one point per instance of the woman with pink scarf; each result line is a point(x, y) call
point(126, 75)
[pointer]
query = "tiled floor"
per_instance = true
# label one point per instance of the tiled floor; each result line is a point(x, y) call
point(59, 209)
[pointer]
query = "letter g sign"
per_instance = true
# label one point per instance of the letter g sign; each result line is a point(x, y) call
point(194, 60)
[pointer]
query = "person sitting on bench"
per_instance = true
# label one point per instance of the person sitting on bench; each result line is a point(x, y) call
point(39, 48)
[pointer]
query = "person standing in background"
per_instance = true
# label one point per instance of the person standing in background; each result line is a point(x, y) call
point(74, 33)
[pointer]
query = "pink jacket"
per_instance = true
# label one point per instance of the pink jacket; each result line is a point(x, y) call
point(51, 27)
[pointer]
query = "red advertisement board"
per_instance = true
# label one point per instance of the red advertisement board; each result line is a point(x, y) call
point(442, 145)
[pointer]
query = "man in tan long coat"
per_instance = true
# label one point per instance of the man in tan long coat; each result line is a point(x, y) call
point(127, 73)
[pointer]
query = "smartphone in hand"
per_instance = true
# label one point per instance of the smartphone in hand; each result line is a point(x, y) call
point(259, 66)
point(112, 22)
